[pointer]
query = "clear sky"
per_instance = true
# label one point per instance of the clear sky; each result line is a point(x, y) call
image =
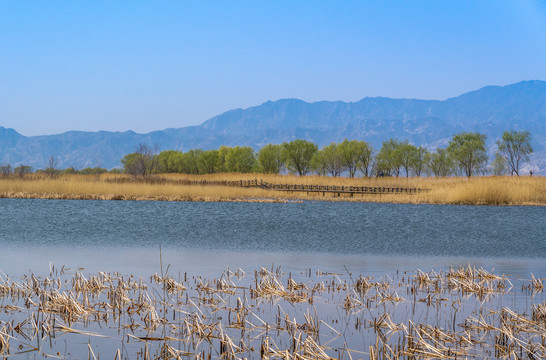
point(150, 65)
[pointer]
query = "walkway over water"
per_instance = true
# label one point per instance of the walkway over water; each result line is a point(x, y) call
point(314, 188)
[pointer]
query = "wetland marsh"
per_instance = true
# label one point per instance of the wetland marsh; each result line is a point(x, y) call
point(85, 279)
point(483, 190)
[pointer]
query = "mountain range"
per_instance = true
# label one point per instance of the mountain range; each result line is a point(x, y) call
point(490, 110)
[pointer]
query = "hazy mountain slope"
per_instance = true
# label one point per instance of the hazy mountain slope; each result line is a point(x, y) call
point(490, 110)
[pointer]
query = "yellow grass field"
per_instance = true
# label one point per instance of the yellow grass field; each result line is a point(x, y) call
point(504, 190)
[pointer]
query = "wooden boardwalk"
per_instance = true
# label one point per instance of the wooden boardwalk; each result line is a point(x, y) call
point(336, 190)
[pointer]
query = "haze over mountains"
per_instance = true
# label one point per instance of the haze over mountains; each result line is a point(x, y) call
point(490, 110)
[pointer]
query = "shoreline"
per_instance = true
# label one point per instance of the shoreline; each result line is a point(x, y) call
point(120, 197)
point(185, 198)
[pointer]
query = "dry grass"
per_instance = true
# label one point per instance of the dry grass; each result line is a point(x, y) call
point(311, 317)
point(174, 187)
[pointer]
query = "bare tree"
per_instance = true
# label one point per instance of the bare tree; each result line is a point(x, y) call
point(22, 170)
point(142, 162)
point(52, 162)
point(51, 168)
point(5, 169)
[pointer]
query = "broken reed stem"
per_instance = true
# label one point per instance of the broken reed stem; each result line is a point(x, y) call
point(237, 317)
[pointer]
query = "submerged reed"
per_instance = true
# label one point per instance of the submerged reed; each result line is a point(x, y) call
point(238, 316)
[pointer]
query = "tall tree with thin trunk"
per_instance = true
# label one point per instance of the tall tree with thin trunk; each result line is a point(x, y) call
point(169, 161)
point(240, 159)
point(365, 159)
point(349, 152)
point(334, 159)
point(142, 162)
point(5, 169)
point(270, 159)
point(498, 166)
point(514, 148)
point(206, 162)
point(468, 151)
point(440, 163)
point(297, 155)
point(406, 153)
point(419, 160)
point(388, 160)
point(319, 163)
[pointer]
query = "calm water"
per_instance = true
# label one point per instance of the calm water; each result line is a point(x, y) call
point(384, 241)
point(127, 235)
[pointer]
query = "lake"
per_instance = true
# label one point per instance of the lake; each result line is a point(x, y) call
point(128, 234)
point(322, 246)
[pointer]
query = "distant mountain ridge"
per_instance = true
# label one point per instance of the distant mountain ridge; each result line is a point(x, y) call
point(490, 110)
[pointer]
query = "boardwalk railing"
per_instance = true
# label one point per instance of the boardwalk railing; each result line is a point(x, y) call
point(313, 188)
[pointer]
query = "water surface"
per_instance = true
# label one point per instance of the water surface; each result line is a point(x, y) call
point(69, 239)
point(202, 235)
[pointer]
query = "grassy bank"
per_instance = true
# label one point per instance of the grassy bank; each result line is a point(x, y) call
point(504, 190)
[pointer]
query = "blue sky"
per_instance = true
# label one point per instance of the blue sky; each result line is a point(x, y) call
point(150, 65)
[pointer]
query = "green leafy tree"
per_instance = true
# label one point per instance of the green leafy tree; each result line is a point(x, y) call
point(499, 165)
point(133, 164)
point(319, 163)
point(365, 159)
point(22, 170)
point(190, 161)
point(440, 163)
point(514, 148)
point(169, 161)
point(297, 155)
point(406, 154)
point(270, 159)
point(419, 160)
point(206, 162)
point(332, 159)
point(350, 151)
point(142, 162)
point(468, 151)
point(69, 171)
point(221, 161)
point(240, 159)
point(389, 160)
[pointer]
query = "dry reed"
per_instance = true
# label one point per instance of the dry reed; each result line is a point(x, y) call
point(215, 319)
point(178, 187)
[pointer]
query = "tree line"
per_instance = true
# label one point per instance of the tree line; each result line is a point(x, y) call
point(466, 154)
point(51, 169)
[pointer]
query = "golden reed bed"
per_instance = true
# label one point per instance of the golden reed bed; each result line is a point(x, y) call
point(490, 190)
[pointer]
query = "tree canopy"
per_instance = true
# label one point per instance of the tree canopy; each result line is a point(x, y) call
point(440, 163)
point(389, 159)
point(514, 148)
point(466, 154)
point(468, 151)
point(297, 155)
point(270, 159)
point(142, 162)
